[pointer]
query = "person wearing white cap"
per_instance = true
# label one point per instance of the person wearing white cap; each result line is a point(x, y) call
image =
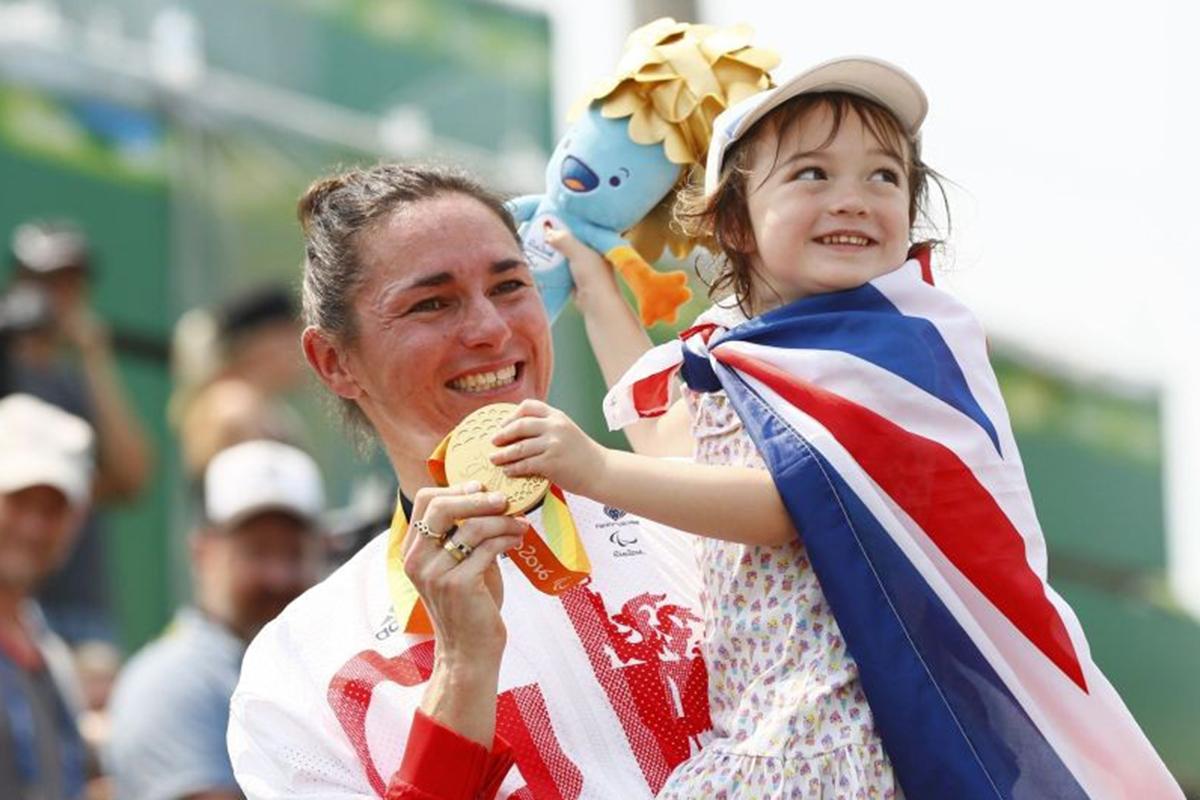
point(71, 362)
point(257, 549)
point(45, 486)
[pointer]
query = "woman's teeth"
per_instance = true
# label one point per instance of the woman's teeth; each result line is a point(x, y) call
point(485, 381)
point(842, 238)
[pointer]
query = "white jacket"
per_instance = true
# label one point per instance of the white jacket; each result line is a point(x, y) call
point(603, 690)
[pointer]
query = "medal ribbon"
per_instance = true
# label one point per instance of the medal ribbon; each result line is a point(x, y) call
point(553, 561)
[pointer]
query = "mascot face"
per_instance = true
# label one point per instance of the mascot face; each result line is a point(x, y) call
point(598, 174)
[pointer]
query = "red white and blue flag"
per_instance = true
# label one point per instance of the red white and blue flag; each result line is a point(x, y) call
point(881, 420)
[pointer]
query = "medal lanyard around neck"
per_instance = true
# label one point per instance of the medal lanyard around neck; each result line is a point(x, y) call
point(553, 560)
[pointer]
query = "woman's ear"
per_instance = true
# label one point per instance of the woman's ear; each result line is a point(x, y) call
point(330, 361)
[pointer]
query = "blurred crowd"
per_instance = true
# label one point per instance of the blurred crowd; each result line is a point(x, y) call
point(81, 717)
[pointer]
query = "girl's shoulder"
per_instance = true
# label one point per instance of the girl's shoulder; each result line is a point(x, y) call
point(725, 313)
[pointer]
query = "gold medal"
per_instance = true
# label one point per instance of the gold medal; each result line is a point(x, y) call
point(467, 459)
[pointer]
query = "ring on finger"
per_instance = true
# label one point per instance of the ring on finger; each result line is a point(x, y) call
point(422, 527)
point(459, 550)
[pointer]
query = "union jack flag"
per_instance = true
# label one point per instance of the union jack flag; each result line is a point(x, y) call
point(881, 420)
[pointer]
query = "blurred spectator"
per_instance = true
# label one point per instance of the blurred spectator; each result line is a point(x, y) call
point(24, 308)
point(45, 481)
point(232, 367)
point(69, 363)
point(257, 549)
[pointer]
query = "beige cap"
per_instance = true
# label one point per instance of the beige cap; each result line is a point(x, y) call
point(872, 78)
point(42, 445)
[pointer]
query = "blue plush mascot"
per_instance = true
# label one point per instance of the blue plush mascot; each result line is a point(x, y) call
point(612, 178)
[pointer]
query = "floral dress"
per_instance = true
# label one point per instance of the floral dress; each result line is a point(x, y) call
point(789, 717)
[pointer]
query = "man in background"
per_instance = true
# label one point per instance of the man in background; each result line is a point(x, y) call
point(45, 484)
point(234, 366)
point(69, 363)
point(258, 547)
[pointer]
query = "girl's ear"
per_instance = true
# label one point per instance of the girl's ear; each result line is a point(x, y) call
point(330, 361)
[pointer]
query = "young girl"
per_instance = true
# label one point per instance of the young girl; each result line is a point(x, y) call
point(846, 425)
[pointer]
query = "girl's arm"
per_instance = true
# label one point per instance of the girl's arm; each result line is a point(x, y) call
point(736, 504)
point(618, 340)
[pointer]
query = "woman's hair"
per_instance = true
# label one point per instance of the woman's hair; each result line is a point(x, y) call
point(337, 211)
point(724, 217)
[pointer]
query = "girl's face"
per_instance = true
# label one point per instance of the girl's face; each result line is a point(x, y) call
point(826, 214)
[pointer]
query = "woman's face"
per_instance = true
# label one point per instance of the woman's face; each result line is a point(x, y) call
point(448, 320)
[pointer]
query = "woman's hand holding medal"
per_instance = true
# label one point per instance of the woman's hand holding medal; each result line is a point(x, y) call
point(461, 589)
point(461, 529)
point(494, 460)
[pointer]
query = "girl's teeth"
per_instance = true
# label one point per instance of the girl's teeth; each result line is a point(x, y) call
point(841, 239)
point(486, 381)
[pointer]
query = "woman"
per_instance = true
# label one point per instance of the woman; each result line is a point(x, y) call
point(420, 309)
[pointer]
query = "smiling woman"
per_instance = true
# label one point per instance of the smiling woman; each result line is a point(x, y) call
point(429, 260)
point(420, 310)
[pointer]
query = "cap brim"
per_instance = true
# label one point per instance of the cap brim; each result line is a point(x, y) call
point(238, 516)
point(877, 80)
point(872, 78)
point(41, 471)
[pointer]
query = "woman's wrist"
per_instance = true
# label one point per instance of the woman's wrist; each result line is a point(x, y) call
point(461, 696)
point(469, 668)
point(465, 653)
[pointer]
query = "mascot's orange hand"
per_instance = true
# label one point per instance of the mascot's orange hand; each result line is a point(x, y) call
point(659, 294)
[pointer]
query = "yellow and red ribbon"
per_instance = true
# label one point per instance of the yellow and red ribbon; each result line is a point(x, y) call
point(553, 561)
